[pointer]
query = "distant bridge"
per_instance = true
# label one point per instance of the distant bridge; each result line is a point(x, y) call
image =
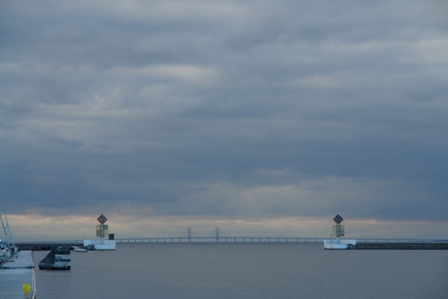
point(265, 240)
point(48, 245)
point(218, 240)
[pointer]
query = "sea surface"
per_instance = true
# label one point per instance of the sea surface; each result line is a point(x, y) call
point(246, 270)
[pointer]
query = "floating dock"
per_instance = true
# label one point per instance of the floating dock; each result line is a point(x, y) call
point(15, 273)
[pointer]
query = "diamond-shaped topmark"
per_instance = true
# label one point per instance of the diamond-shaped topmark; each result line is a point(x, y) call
point(338, 219)
point(102, 219)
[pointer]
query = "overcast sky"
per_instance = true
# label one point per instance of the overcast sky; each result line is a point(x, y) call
point(260, 117)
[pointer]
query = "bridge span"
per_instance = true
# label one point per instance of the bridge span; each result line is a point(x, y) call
point(217, 240)
point(264, 240)
point(372, 242)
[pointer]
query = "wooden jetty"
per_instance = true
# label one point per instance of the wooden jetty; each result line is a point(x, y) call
point(15, 273)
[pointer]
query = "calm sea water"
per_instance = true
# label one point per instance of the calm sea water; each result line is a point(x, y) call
point(244, 270)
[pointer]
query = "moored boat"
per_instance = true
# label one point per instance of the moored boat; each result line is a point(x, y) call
point(5, 252)
point(7, 246)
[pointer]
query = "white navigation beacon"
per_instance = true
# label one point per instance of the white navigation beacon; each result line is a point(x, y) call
point(338, 231)
point(102, 231)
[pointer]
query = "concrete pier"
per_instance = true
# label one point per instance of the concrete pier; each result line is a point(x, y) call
point(14, 274)
point(48, 246)
point(401, 246)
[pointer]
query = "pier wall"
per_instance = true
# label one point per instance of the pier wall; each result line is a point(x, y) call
point(401, 246)
point(48, 245)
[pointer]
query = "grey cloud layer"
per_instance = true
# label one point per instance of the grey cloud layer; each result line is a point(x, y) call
point(243, 108)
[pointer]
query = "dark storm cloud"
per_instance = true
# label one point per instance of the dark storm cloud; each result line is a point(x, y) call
point(234, 109)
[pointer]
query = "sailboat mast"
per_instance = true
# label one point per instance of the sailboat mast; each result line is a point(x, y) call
point(5, 225)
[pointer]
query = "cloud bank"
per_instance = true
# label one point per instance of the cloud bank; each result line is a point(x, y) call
point(231, 111)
